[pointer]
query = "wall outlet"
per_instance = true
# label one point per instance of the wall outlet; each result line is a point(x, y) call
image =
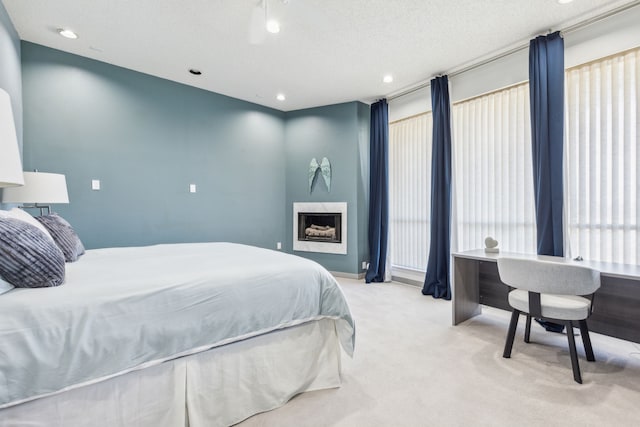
point(192, 188)
point(365, 265)
point(279, 245)
point(95, 184)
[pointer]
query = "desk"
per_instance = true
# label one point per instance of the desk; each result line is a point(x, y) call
point(616, 309)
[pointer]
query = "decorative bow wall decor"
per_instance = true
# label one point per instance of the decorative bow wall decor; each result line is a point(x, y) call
point(325, 170)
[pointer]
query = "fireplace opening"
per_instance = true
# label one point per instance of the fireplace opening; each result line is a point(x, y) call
point(320, 227)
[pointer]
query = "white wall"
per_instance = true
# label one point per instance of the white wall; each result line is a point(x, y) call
point(410, 104)
point(608, 36)
point(614, 34)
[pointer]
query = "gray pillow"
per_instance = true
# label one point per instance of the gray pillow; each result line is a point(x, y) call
point(28, 258)
point(64, 236)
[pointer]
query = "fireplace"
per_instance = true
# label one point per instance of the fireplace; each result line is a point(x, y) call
point(320, 227)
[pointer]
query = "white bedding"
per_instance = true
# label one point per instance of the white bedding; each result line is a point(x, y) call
point(122, 309)
point(217, 387)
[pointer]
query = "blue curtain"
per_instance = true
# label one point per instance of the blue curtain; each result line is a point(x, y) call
point(546, 85)
point(378, 191)
point(436, 281)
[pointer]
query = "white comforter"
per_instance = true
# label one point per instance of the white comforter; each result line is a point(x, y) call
point(122, 309)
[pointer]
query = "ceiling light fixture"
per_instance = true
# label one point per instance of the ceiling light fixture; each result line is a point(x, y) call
point(564, 1)
point(273, 26)
point(67, 33)
point(280, 97)
point(388, 78)
point(262, 22)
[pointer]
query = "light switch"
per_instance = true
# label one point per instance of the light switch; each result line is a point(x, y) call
point(192, 188)
point(95, 184)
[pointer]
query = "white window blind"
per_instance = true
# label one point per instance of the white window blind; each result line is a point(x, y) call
point(410, 191)
point(601, 162)
point(493, 171)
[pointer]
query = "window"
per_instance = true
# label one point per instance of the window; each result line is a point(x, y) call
point(493, 189)
point(601, 162)
point(493, 179)
point(410, 191)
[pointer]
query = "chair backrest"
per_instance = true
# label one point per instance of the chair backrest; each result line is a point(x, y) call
point(548, 277)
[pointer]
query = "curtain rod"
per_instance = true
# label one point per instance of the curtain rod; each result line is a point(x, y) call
point(518, 48)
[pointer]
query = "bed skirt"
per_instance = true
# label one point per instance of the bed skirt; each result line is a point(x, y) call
point(218, 387)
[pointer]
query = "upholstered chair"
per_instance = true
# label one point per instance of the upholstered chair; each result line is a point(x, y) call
point(560, 292)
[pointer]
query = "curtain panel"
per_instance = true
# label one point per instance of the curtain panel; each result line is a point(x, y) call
point(378, 192)
point(437, 282)
point(546, 85)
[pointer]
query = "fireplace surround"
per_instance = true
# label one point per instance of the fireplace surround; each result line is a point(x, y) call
point(320, 227)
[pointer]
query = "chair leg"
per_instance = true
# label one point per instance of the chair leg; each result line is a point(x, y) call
point(511, 334)
point(573, 352)
point(527, 329)
point(584, 331)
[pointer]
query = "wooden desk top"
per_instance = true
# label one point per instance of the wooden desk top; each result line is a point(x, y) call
point(623, 271)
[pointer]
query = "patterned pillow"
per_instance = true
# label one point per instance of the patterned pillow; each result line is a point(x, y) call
point(64, 236)
point(20, 214)
point(28, 259)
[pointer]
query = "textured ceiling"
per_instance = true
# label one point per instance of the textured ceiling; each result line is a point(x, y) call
point(328, 51)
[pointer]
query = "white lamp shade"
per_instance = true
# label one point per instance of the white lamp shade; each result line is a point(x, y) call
point(39, 187)
point(10, 163)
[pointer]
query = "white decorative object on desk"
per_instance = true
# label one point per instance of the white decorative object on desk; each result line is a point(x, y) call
point(491, 245)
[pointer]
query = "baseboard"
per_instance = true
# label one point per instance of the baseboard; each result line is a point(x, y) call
point(406, 281)
point(360, 276)
point(407, 276)
point(355, 276)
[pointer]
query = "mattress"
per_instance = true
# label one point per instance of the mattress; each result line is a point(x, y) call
point(124, 309)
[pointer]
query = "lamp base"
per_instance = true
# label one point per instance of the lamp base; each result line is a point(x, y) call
point(37, 206)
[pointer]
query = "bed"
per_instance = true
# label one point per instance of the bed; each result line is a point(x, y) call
point(197, 334)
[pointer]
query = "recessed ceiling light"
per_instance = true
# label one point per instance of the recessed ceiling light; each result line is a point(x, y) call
point(195, 72)
point(67, 33)
point(280, 97)
point(273, 26)
point(564, 1)
point(388, 78)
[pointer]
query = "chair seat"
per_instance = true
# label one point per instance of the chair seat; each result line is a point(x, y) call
point(562, 307)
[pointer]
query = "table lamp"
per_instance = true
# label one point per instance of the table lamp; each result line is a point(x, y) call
point(10, 163)
point(40, 190)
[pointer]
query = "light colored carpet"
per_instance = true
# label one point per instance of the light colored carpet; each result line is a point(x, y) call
point(412, 368)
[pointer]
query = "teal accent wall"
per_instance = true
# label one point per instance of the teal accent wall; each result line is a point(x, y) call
point(10, 75)
point(364, 128)
point(340, 133)
point(147, 139)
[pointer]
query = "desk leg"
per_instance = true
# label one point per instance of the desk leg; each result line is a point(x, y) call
point(466, 289)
